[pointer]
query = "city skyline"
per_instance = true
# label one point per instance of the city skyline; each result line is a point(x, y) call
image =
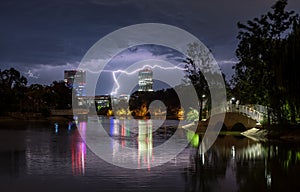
point(43, 38)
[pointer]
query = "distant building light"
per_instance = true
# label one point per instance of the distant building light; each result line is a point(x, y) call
point(145, 80)
point(76, 79)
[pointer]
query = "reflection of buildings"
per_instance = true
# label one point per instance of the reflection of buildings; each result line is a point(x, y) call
point(121, 131)
point(76, 79)
point(46, 153)
point(145, 80)
point(78, 149)
point(120, 128)
point(145, 143)
point(125, 131)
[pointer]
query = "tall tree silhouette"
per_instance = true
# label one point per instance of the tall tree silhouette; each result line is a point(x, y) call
point(258, 75)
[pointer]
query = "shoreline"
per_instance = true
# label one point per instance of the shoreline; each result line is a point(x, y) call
point(263, 135)
point(287, 135)
point(9, 119)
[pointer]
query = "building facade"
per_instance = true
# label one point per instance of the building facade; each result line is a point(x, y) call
point(76, 79)
point(145, 80)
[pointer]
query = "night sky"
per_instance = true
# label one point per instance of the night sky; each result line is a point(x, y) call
point(42, 38)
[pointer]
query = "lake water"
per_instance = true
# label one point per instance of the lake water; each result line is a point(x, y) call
point(37, 157)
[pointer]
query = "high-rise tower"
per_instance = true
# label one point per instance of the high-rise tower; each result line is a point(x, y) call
point(76, 79)
point(145, 80)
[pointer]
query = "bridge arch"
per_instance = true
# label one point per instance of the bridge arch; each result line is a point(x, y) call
point(235, 120)
point(238, 121)
point(238, 127)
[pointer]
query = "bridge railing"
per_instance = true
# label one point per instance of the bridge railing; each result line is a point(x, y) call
point(248, 111)
point(252, 112)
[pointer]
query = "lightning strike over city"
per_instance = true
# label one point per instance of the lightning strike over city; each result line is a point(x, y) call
point(145, 95)
point(115, 91)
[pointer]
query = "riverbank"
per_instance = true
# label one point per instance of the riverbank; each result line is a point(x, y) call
point(279, 135)
point(287, 134)
point(256, 134)
point(21, 120)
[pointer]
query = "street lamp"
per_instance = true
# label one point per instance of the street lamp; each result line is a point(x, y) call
point(232, 100)
point(202, 106)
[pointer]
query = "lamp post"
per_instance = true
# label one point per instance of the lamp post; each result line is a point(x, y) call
point(232, 102)
point(202, 106)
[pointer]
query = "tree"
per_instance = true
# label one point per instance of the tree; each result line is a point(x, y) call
point(258, 75)
point(290, 76)
point(197, 79)
point(12, 89)
point(35, 98)
point(16, 96)
point(59, 95)
point(204, 75)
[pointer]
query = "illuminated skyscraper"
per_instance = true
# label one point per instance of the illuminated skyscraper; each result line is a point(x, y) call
point(76, 79)
point(145, 80)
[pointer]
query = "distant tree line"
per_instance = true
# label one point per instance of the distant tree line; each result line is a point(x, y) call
point(17, 96)
point(169, 97)
point(267, 70)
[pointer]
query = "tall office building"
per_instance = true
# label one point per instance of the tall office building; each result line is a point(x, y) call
point(145, 80)
point(76, 79)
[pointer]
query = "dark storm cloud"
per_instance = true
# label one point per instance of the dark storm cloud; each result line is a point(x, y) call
point(38, 35)
point(158, 50)
point(56, 32)
point(170, 54)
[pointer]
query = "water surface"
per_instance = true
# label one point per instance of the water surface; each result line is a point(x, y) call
point(37, 157)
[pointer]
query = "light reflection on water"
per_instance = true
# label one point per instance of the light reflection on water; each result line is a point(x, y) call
point(78, 148)
point(36, 154)
point(124, 137)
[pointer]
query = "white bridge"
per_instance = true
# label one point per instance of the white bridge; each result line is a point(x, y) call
point(255, 112)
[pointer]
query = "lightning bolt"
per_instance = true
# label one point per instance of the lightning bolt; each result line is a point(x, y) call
point(135, 71)
point(31, 75)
